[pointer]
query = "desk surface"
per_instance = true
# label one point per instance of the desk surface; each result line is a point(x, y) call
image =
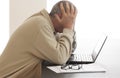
point(109, 58)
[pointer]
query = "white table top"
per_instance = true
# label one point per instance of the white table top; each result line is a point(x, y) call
point(109, 58)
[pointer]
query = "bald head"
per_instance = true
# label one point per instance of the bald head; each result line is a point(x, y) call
point(56, 8)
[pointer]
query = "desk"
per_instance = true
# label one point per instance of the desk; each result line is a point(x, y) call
point(109, 57)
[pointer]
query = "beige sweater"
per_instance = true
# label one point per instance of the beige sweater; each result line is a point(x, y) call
point(33, 42)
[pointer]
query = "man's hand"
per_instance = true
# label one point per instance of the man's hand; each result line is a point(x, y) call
point(67, 19)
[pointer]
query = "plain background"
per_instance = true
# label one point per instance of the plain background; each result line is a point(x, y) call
point(22, 9)
point(4, 24)
point(95, 17)
point(13, 13)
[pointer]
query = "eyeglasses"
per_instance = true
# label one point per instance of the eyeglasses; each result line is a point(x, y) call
point(71, 66)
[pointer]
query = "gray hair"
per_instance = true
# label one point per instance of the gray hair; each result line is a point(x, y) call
point(56, 8)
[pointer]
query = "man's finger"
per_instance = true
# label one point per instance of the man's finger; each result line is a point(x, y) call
point(67, 7)
point(57, 17)
point(72, 9)
point(62, 8)
point(75, 11)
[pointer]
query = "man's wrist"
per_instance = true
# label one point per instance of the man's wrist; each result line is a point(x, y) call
point(69, 31)
point(70, 28)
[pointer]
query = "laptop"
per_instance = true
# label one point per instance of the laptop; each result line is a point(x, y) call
point(88, 58)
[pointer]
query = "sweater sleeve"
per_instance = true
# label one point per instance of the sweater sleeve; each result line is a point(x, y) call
point(52, 50)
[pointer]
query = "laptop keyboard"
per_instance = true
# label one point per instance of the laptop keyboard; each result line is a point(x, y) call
point(84, 57)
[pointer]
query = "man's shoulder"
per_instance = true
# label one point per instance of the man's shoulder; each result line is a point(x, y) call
point(39, 18)
point(36, 21)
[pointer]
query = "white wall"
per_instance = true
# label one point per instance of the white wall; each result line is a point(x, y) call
point(19, 11)
point(22, 9)
point(4, 23)
point(95, 16)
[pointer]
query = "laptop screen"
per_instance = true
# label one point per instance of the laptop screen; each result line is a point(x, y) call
point(99, 47)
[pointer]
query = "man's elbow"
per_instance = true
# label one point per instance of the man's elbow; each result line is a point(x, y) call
point(62, 60)
point(62, 56)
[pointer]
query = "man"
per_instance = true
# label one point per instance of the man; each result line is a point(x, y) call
point(35, 41)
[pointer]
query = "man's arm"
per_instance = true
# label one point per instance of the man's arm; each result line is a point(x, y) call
point(48, 48)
